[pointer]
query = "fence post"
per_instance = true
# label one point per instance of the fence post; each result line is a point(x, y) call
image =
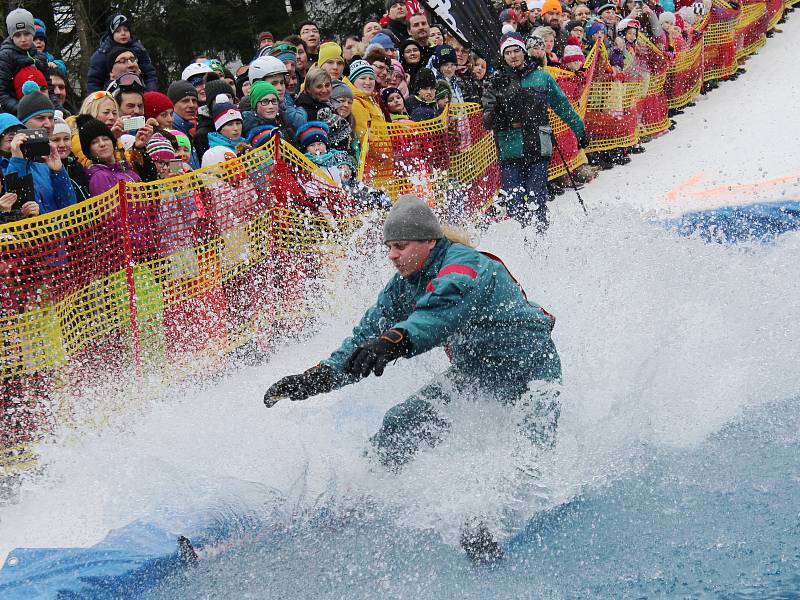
point(127, 246)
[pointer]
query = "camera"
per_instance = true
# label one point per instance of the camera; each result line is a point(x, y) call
point(37, 144)
point(175, 167)
point(133, 123)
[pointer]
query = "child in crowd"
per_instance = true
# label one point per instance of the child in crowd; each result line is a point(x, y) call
point(16, 53)
point(573, 58)
point(422, 105)
point(228, 125)
point(118, 33)
point(392, 99)
point(443, 96)
point(342, 135)
point(184, 146)
point(163, 155)
point(263, 121)
point(40, 41)
point(313, 141)
point(62, 139)
point(366, 196)
point(445, 64)
point(624, 54)
point(398, 77)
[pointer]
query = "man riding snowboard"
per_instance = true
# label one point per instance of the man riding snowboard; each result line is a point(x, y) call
point(443, 294)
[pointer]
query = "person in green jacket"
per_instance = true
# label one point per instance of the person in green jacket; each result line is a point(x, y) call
point(515, 103)
point(443, 294)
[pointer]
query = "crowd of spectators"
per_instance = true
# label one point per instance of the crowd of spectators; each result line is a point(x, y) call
point(318, 93)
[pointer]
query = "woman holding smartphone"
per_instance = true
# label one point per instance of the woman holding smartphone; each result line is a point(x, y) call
point(98, 144)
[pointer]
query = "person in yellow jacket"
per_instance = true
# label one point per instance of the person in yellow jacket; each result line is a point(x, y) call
point(366, 111)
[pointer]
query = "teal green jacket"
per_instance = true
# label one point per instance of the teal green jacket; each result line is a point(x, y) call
point(515, 103)
point(470, 304)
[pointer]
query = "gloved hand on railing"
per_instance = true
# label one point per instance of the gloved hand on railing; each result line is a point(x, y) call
point(316, 380)
point(373, 355)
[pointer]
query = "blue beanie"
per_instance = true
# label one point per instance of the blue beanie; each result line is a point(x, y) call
point(443, 55)
point(260, 135)
point(313, 131)
point(7, 121)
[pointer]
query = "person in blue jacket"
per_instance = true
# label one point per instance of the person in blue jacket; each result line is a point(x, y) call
point(40, 42)
point(51, 183)
point(118, 33)
point(443, 294)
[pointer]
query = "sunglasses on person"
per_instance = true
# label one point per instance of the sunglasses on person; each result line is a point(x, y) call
point(99, 95)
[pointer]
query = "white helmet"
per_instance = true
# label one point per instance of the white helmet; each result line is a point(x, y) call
point(264, 66)
point(195, 69)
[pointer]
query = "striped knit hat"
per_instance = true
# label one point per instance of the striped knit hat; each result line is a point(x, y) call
point(313, 131)
point(260, 135)
point(159, 148)
point(572, 54)
point(284, 51)
point(223, 113)
point(361, 68)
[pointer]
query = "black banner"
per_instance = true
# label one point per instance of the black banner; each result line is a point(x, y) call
point(471, 21)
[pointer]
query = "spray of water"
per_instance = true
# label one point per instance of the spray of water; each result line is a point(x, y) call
point(663, 341)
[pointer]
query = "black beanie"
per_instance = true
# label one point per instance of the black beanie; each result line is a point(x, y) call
point(113, 54)
point(178, 90)
point(90, 128)
point(216, 87)
point(424, 79)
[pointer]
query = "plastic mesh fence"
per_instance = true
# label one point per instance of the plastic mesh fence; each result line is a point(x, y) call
point(719, 44)
point(168, 278)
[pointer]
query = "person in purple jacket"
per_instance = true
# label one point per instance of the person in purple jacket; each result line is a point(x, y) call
point(108, 167)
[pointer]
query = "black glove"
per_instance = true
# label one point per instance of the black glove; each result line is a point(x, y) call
point(373, 355)
point(317, 380)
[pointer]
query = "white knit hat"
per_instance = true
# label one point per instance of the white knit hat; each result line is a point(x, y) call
point(60, 125)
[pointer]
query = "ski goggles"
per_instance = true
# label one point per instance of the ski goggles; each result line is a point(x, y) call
point(127, 82)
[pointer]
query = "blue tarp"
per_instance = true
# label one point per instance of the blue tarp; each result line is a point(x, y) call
point(127, 561)
point(753, 222)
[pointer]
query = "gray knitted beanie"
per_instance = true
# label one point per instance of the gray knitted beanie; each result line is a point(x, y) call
point(411, 219)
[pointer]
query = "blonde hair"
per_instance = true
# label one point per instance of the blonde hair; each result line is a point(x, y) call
point(459, 235)
point(91, 105)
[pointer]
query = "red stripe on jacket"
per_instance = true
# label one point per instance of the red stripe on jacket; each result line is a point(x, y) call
point(459, 269)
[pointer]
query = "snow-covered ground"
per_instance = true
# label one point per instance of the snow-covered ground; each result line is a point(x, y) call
point(665, 341)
